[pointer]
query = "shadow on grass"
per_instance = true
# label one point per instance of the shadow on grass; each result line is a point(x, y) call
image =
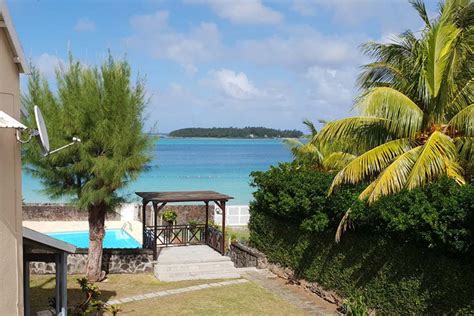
point(41, 292)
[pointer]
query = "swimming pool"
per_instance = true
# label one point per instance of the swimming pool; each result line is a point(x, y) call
point(114, 238)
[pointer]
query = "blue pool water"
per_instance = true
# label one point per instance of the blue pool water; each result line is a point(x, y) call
point(114, 238)
point(185, 164)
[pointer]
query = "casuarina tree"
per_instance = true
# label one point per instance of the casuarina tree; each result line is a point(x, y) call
point(104, 108)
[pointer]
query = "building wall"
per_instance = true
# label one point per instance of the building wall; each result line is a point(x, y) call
point(11, 263)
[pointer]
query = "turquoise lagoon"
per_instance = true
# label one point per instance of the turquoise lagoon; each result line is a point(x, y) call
point(222, 165)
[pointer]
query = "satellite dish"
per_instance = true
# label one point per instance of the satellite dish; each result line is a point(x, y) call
point(42, 131)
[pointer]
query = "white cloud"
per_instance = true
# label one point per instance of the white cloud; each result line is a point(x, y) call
point(330, 91)
point(153, 35)
point(150, 22)
point(304, 7)
point(387, 15)
point(234, 85)
point(243, 12)
point(295, 48)
point(84, 25)
point(298, 50)
point(47, 64)
point(312, 73)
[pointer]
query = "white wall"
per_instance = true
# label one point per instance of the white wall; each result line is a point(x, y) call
point(236, 215)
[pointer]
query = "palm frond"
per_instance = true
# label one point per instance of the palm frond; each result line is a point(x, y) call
point(305, 151)
point(419, 6)
point(438, 48)
point(403, 116)
point(438, 157)
point(293, 145)
point(311, 127)
point(462, 97)
point(463, 121)
point(393, 178)
point(370, 163)
point(343, 225)
point(465, 147)
point(380, 73)
point(369, 131)
point(337, 160)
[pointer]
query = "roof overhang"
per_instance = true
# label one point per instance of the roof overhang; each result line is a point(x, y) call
point(6, 24)
point(6, 121)
point(48, 241)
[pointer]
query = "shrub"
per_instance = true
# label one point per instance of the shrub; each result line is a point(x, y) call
point(298, 194)
point(90, 304)
point(410, 253)
point(170, 216)
point(393, 277)
point(440, 215)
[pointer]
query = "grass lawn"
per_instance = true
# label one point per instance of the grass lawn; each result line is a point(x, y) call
point(240, 299)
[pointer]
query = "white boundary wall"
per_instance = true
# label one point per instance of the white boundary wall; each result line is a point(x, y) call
point(236, 215)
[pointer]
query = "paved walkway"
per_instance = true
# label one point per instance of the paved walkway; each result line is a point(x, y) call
point(268, 280)
point(175, 291)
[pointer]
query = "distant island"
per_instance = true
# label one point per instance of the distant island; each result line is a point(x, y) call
point(234, 132)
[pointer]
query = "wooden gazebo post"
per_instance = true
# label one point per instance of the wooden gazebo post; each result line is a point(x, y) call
point(206, 228)
point(156, 210)
point(221, 205)
point(145, 202)
point(223, 228)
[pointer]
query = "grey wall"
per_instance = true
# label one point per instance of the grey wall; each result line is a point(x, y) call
point(114, 261)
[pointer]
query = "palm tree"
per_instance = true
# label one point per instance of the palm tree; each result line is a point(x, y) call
point(416, 119)
point(325, 157)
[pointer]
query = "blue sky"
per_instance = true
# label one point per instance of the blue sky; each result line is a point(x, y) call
point(221, 62)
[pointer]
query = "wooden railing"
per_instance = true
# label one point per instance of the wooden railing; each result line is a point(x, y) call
point(148, 238)
point(175, 235)
point(179, 234)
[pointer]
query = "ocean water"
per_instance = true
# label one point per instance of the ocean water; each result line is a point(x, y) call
point(185, 164)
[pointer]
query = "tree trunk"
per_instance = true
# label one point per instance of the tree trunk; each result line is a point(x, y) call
point(94, 271)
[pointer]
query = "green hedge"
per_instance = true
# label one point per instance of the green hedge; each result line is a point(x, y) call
point(409, 254)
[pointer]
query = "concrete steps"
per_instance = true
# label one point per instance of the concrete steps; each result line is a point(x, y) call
point(193, 263)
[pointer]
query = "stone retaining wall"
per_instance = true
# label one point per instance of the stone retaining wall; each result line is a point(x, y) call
point(58, 212)
point(68, 212)
point(114, 261)
point(244, 256)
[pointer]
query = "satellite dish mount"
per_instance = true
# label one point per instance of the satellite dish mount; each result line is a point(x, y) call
point(41, 132)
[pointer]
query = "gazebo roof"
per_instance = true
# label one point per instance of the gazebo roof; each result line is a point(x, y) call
point(183, 196)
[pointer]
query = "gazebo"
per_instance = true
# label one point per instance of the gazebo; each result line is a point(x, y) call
point(158, 235)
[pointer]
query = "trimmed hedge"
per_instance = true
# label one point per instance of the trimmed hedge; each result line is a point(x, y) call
point(409, 254)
